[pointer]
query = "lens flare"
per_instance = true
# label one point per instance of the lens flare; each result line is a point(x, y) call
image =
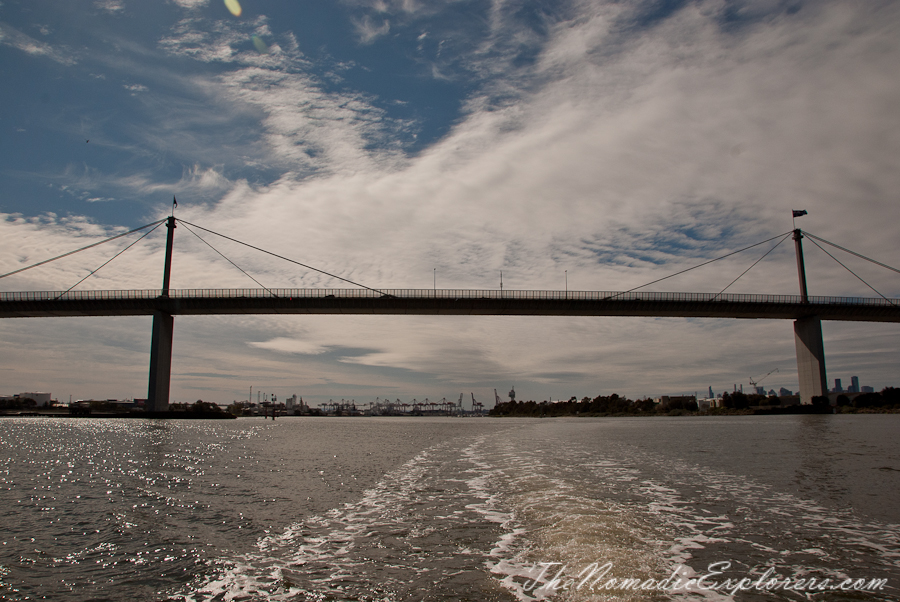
point(259, 44)
point(234, 6)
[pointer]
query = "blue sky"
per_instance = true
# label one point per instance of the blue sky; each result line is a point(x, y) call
point(607, 143)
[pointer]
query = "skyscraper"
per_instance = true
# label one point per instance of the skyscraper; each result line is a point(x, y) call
point(854, 384)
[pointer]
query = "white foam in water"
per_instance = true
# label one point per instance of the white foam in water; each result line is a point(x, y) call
point(646, 515)
point(750, 525)
point(554, 519)
point(749, 531)
point(328, 552)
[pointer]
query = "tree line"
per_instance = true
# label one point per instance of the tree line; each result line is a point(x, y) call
point(601, 405)
point(614, 405)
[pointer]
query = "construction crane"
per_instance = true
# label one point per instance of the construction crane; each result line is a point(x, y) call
point(755, 383)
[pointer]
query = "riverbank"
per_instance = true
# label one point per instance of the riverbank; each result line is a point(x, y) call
point(179, 415)
point(526, 410)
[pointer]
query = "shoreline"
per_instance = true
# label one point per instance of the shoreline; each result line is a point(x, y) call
point(100, 414)
point(180, 415)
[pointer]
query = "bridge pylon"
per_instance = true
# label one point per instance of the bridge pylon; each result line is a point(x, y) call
point(810, 358)
point(808, 340)
point(160, 362)
point(161, 341)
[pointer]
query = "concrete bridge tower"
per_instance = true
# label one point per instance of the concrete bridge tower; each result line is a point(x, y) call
point(161, 343)
point(808, 340)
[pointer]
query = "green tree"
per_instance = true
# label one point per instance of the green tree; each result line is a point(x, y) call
point(891, 396)
point(821, 402)
point(868, 400)
point(740, 400)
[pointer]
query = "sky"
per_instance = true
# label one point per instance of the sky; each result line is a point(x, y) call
point(588, 145)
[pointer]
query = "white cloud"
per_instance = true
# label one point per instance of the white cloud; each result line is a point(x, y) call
point(288, 345)
point(307, 130)
point(685, 135)
point(191, 4)
point(368, 29)
point(386, 6)
point(229, 42)
point(112, 6)
point(198, 182)
point(619, 158)
point(15, 38)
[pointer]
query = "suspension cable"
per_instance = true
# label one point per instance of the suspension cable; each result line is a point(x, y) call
point(226, 259)
point(851, 252)
point(752, 266)
point(284, 258)
point(111, 258)
point(852, 272)
point(82, 248)
point(697, 266)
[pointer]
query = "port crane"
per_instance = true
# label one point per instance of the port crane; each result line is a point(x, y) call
point(512, 396)
point(476, 405)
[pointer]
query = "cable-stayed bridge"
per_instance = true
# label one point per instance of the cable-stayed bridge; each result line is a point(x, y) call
point(165, 303)
point(450, 302)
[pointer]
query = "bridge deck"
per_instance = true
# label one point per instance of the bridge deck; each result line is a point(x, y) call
point(443, 302)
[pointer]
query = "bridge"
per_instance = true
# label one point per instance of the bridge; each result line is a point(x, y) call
point(806, 311)
point(448, 302)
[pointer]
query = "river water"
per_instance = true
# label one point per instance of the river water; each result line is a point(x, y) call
point(756, 508)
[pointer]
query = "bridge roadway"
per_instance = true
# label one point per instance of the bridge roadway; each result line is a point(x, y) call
point(443, 302)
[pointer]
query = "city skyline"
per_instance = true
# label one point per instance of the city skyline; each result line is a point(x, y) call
point(292, 400)
point(587, 146)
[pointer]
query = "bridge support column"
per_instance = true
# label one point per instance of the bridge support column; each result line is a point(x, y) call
point(810, 358)
point(160, 362)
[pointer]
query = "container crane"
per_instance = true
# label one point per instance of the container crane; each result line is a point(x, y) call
point(476, 405)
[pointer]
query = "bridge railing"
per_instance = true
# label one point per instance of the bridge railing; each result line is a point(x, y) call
point(302, 293)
